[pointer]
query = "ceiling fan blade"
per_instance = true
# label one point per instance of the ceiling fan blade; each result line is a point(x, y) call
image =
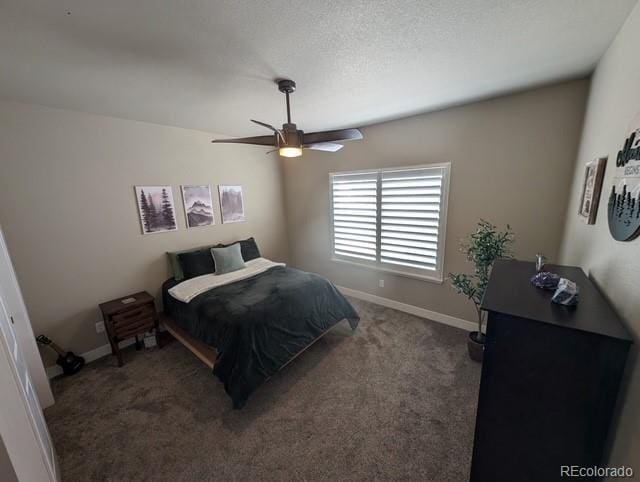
point(264, 124)
point(324, 146)
point(332, 136)
point(268, 126)
point(257, 140)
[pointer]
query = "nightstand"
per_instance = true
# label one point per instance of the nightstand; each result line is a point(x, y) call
point(129, 317)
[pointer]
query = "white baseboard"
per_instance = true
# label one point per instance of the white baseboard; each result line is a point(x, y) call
point(89, 356)
point(411, 309)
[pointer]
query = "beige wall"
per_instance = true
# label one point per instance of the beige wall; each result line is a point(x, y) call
point(511, 162)
point(615, 266)
point(68, 209)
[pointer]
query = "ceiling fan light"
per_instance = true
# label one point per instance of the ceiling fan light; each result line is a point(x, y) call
point(290, 151)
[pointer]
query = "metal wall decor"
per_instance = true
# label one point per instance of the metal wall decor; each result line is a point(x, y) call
point(624, 200)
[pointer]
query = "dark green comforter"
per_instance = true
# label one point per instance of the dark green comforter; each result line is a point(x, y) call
point(257, 325)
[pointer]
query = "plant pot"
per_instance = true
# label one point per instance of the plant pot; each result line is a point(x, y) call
point(475, 345)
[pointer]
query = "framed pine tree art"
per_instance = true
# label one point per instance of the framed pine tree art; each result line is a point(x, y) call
point(156, 209)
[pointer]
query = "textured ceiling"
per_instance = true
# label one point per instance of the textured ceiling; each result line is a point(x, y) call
point(210, 64)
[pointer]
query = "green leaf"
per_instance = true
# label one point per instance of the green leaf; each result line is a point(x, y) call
point(482, 248)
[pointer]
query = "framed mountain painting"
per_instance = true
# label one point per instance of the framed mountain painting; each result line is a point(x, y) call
point(156, 209)
point(198, 207)
point(231, 204)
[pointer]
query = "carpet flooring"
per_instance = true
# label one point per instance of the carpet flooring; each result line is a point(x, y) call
point(394, 400)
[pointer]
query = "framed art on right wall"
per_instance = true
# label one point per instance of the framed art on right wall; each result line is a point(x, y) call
point(593, 176)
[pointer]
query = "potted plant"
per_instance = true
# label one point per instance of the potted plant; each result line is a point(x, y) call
point(481, 248)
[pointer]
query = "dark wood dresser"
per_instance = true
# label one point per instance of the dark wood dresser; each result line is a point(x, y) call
point(550, 377)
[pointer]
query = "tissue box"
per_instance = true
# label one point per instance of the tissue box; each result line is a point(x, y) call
point(566, 293)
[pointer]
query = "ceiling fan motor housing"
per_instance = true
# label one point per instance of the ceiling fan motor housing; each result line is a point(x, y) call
point(292, 136)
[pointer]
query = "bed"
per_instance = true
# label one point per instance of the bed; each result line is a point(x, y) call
point(249, 324)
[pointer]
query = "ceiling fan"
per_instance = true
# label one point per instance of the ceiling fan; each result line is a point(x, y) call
point(290, 141)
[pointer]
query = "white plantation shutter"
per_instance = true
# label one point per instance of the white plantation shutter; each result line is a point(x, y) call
point(410, 219)
point(393, 219)
point(355, 215)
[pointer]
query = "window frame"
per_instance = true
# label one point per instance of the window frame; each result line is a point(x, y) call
point(435, 276)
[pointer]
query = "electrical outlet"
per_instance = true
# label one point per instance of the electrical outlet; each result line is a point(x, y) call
point(100, 327)
point(381, 283)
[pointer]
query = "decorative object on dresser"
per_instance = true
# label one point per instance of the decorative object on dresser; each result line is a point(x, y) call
point(481, 248)
point(550, 377)
point(231, 204)
point(156, 209)
point(198, 206)
point(129, 317)
point(567, 293)
point(624, 200)
point(545, 280)
point(593, 176)
point(69, 361)
point(540, 261)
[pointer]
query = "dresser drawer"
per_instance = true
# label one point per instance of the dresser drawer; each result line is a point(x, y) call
point(138, 320)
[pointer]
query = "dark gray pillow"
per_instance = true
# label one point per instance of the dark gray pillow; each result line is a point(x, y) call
point(248, 247)
point(196, 263)
point(176, 267)
point(228, 259)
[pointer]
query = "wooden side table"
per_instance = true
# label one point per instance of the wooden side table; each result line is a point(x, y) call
point(124, 319)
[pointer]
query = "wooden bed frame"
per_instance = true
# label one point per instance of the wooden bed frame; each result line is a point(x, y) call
point(206, 353)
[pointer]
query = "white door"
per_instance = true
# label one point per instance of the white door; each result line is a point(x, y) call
point(15, 307)
point(22, 424)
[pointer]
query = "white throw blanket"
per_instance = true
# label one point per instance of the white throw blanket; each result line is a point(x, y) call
point(189, 289)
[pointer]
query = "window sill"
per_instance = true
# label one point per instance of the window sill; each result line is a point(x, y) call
point(431, 279)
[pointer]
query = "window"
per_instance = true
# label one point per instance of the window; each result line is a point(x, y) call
point(391, 219)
